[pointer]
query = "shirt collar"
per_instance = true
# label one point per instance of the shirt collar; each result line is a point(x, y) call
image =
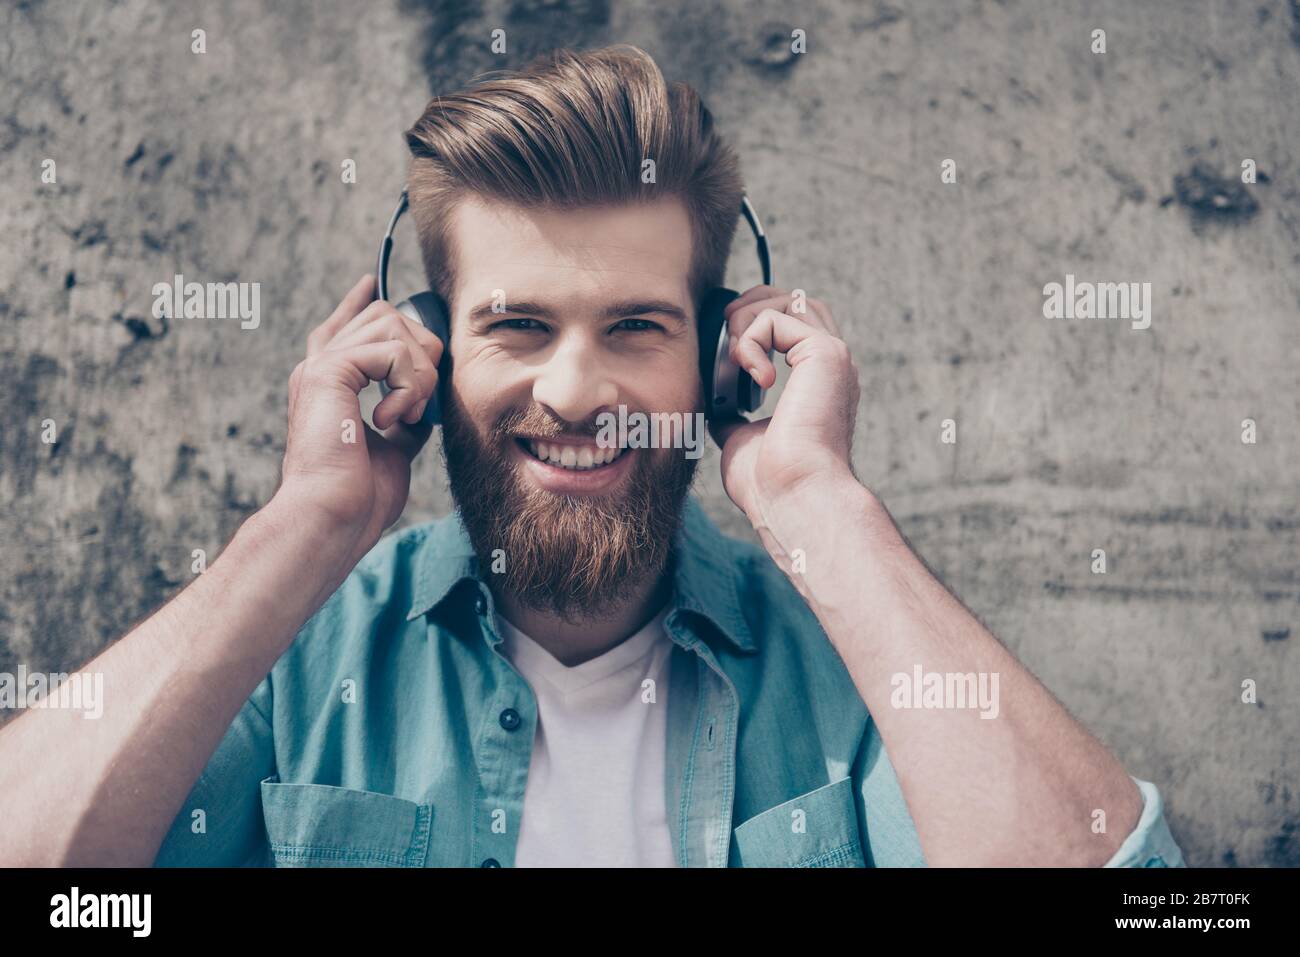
point(705, 574)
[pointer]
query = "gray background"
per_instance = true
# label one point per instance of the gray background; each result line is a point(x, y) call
point(1072, 435)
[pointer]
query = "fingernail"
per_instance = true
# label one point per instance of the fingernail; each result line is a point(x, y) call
point(753, 373)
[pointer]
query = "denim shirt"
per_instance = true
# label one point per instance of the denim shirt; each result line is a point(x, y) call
point(394, 733)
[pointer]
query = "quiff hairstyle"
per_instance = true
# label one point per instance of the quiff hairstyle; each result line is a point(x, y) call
point(571, 130)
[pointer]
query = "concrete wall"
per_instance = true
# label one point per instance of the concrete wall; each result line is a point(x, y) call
point(1072, 435)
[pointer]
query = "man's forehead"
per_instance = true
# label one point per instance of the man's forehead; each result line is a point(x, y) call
point(647, 244)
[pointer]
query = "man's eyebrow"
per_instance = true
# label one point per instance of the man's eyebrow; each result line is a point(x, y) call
point(486, 310)
point(619, 310)
point(640, 307)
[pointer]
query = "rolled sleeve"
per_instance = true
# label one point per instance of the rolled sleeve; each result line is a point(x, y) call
point(1150, 844)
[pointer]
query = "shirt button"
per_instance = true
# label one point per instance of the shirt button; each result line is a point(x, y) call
point(510, 719)
point(480, 605)
point(491, 862)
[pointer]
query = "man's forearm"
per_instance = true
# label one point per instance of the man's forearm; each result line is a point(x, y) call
point(104, 791)
point(1020, 787)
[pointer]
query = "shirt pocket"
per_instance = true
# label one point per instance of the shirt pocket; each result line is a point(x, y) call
point(816, 829)
point(319, 825)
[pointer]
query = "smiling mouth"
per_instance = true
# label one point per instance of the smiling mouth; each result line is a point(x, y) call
point(575, 458)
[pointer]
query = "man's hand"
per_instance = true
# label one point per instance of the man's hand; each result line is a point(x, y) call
point(359, 485)
point(1020, 790)
point(810, 433)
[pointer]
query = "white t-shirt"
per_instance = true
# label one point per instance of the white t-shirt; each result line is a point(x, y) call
point(595, 792)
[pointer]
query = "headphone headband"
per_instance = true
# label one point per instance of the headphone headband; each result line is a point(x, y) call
point(386, 247)
point(760, 238)
point(746, 209)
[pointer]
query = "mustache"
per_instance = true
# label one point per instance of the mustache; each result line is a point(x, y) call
point(539, 423)
point(536, 422)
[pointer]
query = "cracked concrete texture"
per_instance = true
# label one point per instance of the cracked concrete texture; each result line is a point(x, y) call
point(1072, 435)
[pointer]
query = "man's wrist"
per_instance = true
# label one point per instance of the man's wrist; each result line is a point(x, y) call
point(327, 548)
point(822, 525)
point(829, 501)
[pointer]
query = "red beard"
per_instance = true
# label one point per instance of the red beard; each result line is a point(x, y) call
point(572, 556)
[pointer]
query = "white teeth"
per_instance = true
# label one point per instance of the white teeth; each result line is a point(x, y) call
point(577, 459)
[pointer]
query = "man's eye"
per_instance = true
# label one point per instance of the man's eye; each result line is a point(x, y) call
point(637, 325)
point(523, 325)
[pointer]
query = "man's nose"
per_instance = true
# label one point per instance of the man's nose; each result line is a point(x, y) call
point(574, 384)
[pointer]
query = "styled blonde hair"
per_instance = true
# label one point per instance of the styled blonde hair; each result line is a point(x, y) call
point(568, 131)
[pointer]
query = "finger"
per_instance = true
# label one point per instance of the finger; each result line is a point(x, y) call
point(740, 320)
point(408, 390)
point(394, 327)
point(811, 311)
point(753, 294)
point(426, 377)
point(771, 330)
point(384, 323)
point(430, 343)
point(380, 311)
point(426, 345)
point(389, 362)
point(352, 303)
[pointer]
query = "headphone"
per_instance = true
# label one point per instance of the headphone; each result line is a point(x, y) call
point(729, 389)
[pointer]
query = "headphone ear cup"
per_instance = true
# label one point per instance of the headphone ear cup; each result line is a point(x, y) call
point(728, 389)
point(428, 309)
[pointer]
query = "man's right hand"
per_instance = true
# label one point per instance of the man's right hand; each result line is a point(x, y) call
point(358, 486)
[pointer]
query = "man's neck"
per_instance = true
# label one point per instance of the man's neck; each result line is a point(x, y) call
point(573, 643)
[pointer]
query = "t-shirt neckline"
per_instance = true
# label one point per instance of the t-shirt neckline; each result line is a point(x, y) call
point(532, 658)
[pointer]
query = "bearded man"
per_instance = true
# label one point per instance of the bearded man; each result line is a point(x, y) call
point(575, 667)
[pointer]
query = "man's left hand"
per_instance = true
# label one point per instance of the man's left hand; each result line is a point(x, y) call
point(808, 438)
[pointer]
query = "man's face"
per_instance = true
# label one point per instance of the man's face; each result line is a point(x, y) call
point(558, 317)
